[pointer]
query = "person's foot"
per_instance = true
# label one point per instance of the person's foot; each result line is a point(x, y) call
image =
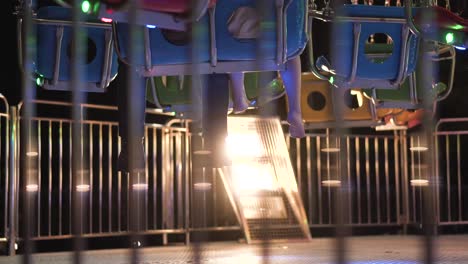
point(139, 158)
point(240, 106)
point(296, 125)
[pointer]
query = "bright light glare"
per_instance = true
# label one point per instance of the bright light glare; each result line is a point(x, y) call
point(39, 81)
point(106, 20)
point(419, 182)
point(331, 183)
point(202, 186)
point(202, 152)
point(32, 187)
point(460, 48)
point(330, 150)
point(140, 186)
point(244, 145)
point(418, 149)
point(254, 177)
point(32, 154)
point(85, 6)
point(449, 38)
point(151, 26)
point(82, 188)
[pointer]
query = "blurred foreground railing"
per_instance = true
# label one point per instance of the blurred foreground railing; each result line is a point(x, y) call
point(4, 166)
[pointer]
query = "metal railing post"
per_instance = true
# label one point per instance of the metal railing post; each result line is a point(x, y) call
point(404, 182)
point(13, 208)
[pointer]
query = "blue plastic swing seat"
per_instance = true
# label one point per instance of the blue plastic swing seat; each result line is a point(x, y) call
point(370, 71)
point(228, 47)
point(94, 61)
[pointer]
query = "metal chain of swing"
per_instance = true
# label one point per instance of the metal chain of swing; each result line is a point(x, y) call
point(371, 2)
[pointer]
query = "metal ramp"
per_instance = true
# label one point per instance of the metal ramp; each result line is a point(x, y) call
point(260, 184)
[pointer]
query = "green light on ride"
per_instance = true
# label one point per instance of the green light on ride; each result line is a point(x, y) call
point(85, 6)
point(449, 38)
point(457, 27)
point(332, 80)
point(39, 81)
point(96, 7)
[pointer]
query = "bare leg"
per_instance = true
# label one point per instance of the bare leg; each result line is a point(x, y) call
point(240, 101)
point(292, 82)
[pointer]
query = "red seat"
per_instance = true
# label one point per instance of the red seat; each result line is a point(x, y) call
point(447, 19)
point(170, 6)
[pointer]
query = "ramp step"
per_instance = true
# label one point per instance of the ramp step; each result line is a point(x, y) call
point(261, 182)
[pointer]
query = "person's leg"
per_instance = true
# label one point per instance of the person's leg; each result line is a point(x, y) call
point(239, 98)
point(292, 82)
point(131, 111)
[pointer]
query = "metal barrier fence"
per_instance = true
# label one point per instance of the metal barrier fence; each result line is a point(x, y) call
point(451, 165)
point(106, 199)
point(4, 166)
point(383, 176)
point(373, 177)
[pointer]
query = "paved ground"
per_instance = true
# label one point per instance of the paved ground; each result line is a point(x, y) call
point(360, 250)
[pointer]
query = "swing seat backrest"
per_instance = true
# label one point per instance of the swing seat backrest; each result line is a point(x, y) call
point(54, 47)
point(347, 34)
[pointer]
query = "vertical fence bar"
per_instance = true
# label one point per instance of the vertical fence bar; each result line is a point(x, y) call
point(387, 181)
point(146, 180)
point(155, 181)
point(91, 177)
point(70, 179)
point(4, 210)
point(6, 144)
point(330, 203)
point(100, 187)
point(400, 157)
point(437, 172)
point(5, 162)
point(128, 201)
point(214, 196)
point(110, 173)
point(447, 171)
point(298, 165)
point(199, 104)
point(319, 179)
point(348, 153)
point(39, 178)
point(13, 202)
point(77, 52)
point(459, 180)
point(49, 194)
point(413, 190)
point(309, 178)
point(358, 180)
point(60, 167)
point(368, 183)
point(377, 177)
point(188, 183)
point(25, 133)
point(119, 201)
